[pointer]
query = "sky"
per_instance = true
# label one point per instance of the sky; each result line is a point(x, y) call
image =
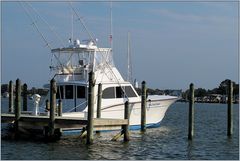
point(173, 44)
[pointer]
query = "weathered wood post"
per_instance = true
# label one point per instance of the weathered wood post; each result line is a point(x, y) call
point(10, 91)
point(143, 107)
point(59, 107)
point(126, 127)
point(53, 91)
point(90, 108)
point(99, 102)
point(17, 105)
point(58, 132)
point(47, 107)
point(25, 97)
point(46, 128)
point(191, 113)
point(230, 109)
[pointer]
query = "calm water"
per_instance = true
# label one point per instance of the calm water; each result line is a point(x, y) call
point(166, 142)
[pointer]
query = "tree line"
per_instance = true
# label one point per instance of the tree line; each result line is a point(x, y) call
point(33, 90)
point(199, 92)
point(221, 90)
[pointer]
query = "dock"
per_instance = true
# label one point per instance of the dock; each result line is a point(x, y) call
point(53, 123)
point(64, 123)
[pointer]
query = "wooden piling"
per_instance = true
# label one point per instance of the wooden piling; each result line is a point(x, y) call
point(58, 131)
point(230, 109)
point(47, 107)
point(99, 102)
point(10, 91)
point(90, 108)
point(126, 127)
point(46, 128)
point(191, 113)
point(59, 107)
point(17, 106)
point(53, 91)
point(83, 133)
point(116, 137)
point(25, 97)
point(143, 107)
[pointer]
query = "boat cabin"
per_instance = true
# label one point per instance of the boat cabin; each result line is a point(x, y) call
point(71, 67)
point(74, 96)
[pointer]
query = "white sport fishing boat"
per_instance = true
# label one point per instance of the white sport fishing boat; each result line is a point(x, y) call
point(71, 68)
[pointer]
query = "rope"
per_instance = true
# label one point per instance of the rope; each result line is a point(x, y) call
point(77, 106)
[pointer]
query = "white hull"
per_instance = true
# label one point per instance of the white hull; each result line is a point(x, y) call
point(155, 111)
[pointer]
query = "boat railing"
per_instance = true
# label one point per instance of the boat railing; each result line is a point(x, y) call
point(76, 107)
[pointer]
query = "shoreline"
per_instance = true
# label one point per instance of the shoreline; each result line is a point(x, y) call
point(185, 101)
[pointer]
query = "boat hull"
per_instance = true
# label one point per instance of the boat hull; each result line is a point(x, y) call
point(155, 112)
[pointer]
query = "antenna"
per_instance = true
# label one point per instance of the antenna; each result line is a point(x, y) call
point(72, 25)
point(111, 31)
point(129, 65)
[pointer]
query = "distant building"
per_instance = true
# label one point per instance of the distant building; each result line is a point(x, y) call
point(215, 98)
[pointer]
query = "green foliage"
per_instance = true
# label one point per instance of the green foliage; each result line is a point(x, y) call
point(4, 88)
point(221, 89)
point(185, 94)
point(236, 89)
point(200, 92)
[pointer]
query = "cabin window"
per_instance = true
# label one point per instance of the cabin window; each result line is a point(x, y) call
point(69, 92)
point(109, 93)
point(80, 92)
point(129, 91)
point(119, 92)
point(59, 94)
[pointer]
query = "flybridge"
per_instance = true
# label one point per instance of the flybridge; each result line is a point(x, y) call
point(77, 46)
point(79, 58)
point(84, 45)
point(86, 51)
